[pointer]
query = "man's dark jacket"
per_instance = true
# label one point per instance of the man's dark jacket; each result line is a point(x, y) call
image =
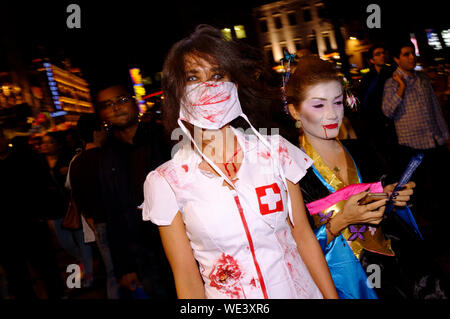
point(123, 169)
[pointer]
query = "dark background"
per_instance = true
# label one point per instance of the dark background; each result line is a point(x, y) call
point(116, 35)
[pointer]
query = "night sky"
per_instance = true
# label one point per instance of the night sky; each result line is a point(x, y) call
point(116, 35)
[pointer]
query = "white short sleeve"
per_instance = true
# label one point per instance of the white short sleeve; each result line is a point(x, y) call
point(160, 204)
point(294, 161)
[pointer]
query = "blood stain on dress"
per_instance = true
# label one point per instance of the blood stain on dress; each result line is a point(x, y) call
point(225, 276)
point(283, 154)
point(169, 173)
point(253, 282)
point(185, 167)
point(265, 154)
point(289, 265)
point(291, 259)
point(225, 165)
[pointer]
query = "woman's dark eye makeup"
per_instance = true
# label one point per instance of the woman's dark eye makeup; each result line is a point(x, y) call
point(215, 77)
point(194, 75)
point(319, 105)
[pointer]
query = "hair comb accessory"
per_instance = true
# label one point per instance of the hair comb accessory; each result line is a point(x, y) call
point(286, 64)
point(350, 99)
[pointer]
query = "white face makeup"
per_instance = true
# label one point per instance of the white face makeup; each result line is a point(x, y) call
point(322, 110)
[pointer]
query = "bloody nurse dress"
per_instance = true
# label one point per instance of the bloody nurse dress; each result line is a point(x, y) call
point(242, 243)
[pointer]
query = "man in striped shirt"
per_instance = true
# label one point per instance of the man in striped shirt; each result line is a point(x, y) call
point(410, 101)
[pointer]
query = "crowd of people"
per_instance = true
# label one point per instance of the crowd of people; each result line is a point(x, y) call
point(206, 204)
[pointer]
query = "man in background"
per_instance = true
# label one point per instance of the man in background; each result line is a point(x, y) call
point(410, 101)
point(132, 150)
point(86, 192)
point(378, 130)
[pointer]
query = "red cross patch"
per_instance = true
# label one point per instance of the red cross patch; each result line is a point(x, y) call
point(269, 199)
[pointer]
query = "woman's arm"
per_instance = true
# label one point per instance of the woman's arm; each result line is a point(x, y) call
point(308, 246)
point(353, 213)
point(188, 281)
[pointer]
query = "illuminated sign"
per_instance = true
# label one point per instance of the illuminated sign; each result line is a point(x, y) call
point(433, 39)
point(446, 36)
point(413, 39)
point(53, 86)
point(138, 86)
point(58, 113)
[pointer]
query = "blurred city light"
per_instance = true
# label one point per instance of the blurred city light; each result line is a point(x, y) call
point(446, 37)
point(433, 39)
point(138, 86)
point(240, 31)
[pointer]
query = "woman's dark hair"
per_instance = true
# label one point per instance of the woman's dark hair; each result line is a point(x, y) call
point(310, 70)
point(244, 64)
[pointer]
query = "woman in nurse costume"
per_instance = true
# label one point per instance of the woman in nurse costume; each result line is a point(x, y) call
point(228, 204)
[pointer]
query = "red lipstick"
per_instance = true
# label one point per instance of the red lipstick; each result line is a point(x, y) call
point(331, 126)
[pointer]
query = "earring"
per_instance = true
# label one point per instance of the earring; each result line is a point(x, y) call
point(107, 126)
point(298, 124)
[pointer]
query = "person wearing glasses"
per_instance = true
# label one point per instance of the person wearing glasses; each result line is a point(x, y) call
point(132, 150)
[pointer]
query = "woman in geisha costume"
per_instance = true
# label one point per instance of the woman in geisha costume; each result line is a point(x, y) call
point(223, 202)
point(350, 233)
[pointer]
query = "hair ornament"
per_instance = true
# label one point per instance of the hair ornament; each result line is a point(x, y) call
point(350, 99)
point(286, 64)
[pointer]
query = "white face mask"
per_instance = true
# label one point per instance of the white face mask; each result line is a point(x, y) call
point(210, 105)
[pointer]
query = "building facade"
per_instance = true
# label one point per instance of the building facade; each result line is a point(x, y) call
point(294, 25)
point(64, 93)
